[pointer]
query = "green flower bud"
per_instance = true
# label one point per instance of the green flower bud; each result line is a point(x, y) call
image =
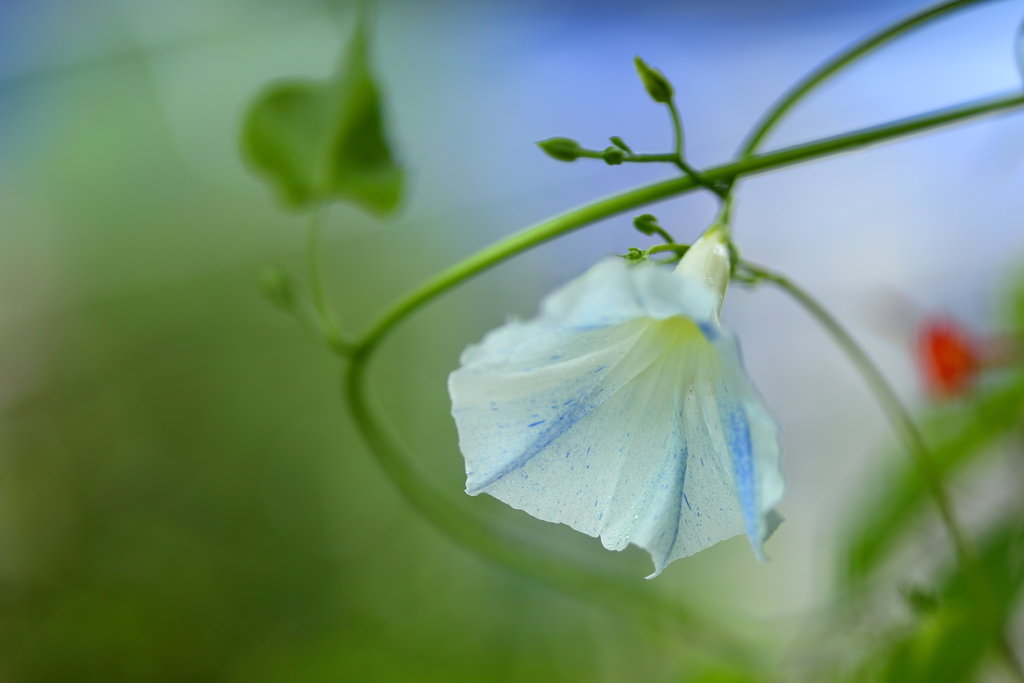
point(618, 142)
point(647, 224)
point(279, 287)
point(613, 156)
point(635, 255)
point(563, 149)
point(657, 85)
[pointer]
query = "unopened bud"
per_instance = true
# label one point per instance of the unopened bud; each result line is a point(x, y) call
point(563, 149)
point(635, 255)
point(613, 156)
point(657, 85)
point(279, 287)
point(708, 261)
point(647, 224)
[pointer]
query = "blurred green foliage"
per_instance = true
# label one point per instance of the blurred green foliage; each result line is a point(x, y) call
point(960, 435)
point(183, 499)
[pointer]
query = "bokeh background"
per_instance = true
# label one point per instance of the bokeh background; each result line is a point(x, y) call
point(182, 496)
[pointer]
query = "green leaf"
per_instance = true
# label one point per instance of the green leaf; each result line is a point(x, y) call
point(322, 141)
point(965, 435)
point(285, 137)
point(621, 144)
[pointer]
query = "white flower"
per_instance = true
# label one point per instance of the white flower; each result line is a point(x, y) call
point(623, 410)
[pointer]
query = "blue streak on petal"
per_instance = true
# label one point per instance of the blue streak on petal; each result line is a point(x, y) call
point(737, 429)
point(672, 533)
point(577, 411)
point(711, 333)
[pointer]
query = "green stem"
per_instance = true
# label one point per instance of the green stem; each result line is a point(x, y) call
point(645, 158)
point(327, 324)
point(510, 547)
point(678, 249)
point(669, 157)
point(629, 156)
point(663, 234)
point(679, 159)
point(631, 199)
point(677, 129)
point(828, 68)
point(894, 409)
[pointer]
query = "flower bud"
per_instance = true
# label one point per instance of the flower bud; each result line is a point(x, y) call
point(279, 287)
point(613, 156)
point(563, 149)
point(708, 261)
point(635, 255)
point(657, 85)
point(647, 224)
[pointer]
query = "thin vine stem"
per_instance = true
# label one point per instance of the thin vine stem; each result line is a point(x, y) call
point(326, 322)
point(844, 58)
point(649, 158)
point(648, 194)
point(679, 158)
point(894, 409)
point(677, 249)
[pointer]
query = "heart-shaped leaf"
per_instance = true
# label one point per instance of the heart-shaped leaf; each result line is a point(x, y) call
point(322, 141)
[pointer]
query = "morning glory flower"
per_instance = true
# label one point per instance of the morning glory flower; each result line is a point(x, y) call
point(623, 410)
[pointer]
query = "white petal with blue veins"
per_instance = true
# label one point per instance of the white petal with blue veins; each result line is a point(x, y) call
point(616, 413)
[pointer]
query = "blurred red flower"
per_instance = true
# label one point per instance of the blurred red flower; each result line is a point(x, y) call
point(949, 356)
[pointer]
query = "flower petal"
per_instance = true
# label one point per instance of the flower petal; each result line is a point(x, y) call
point(616, 413)
point(613, 291)
point(753, 442)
